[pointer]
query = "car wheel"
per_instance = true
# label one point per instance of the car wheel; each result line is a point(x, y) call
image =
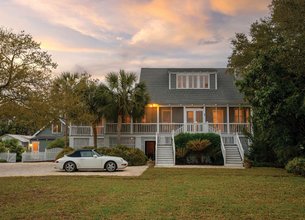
point(70, 166)
point(110, 166)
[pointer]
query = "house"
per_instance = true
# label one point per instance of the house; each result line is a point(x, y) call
point(182, 100)
point(40, 140)
point(23, 140)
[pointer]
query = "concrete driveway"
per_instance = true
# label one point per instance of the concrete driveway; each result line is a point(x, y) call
point(47, 169)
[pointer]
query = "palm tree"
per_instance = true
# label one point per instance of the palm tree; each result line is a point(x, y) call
point(128, 98)
point(65, 97)
point(97, 100)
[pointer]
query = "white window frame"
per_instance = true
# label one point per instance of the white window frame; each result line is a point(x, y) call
point(53, 125)
point(194, 77)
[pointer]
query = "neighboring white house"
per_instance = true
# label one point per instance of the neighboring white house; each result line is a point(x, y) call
point(23, 140)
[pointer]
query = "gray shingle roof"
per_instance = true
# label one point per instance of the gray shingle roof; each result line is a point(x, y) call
point(157, 82)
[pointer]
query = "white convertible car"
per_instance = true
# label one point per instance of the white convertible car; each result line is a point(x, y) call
point(88, 160)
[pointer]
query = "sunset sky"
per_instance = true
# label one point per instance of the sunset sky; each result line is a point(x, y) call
point(100, 36)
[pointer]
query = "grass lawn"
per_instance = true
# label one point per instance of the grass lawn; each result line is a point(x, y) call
point(257, 193)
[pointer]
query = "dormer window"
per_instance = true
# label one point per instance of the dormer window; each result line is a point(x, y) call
point(56, 128)
point(192, 81)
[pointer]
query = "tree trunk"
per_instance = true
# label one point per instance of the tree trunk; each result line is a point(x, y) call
point(119, 127)
point(66, 132)
point(94, 130)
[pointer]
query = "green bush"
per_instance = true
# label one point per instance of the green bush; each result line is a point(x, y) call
point(212, 153)
point(3, 148)
point(58, 143)
point(134, 156)
point(296, 166)
point(66, 150)
point(13, 146)
point(2, 161)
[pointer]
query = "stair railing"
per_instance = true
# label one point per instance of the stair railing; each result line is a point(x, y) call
point(174, 147)
point(223, 149)
point(156, 149)
point(240, 147)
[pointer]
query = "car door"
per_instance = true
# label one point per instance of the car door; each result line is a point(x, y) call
point(89, 161)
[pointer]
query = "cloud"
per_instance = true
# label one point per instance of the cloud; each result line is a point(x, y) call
point(170, 23)
point(54, 45)
point(103, 36)
point(75, 14)
point(235, 7)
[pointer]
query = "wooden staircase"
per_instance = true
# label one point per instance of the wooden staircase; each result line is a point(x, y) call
point(165, 154)
point(233, 157)
point(232, 150)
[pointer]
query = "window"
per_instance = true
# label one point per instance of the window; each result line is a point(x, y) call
point(56, 128)
point(86, 154)
point(150, 115)
point(166, 116)
point(188, 81)
point(239, 115)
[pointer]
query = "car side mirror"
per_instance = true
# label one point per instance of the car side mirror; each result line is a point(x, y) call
point(95, 156)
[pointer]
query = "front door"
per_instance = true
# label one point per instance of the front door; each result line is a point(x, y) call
point(150, 148)
point(194, 120)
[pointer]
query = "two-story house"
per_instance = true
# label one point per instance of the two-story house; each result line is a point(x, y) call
point(182, 100)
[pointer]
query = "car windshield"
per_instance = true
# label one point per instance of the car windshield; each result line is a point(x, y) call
point(96, 153)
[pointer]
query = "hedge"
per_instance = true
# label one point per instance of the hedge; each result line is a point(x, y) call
point(134, 156)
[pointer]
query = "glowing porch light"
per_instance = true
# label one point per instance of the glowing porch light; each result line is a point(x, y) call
point(152, 105)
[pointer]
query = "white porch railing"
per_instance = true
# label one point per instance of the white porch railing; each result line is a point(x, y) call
point(239, 127)
point(152, 128)
point(169, 127)
point(85, 130)
point(145, 128)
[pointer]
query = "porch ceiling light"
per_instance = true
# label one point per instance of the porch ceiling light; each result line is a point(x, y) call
point(152, 105)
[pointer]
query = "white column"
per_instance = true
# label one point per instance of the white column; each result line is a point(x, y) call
point(184, 119)
point(131, 125)
point(158, 118)
point(228, 120)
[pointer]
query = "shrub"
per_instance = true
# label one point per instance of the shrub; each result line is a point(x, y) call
point(104, 150)
point(3, 148)
point(181, 152)
point(198, 145)
point(296, 166)
point(181, 155)
point(212, 153)
point(2, 161)
point(134, 156)
point(196, 148)
point(13, 146)
point(58, 143)
point(66, 150)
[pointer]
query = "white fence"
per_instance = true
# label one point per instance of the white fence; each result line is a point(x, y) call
point(9, 157)
point(48, 155)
